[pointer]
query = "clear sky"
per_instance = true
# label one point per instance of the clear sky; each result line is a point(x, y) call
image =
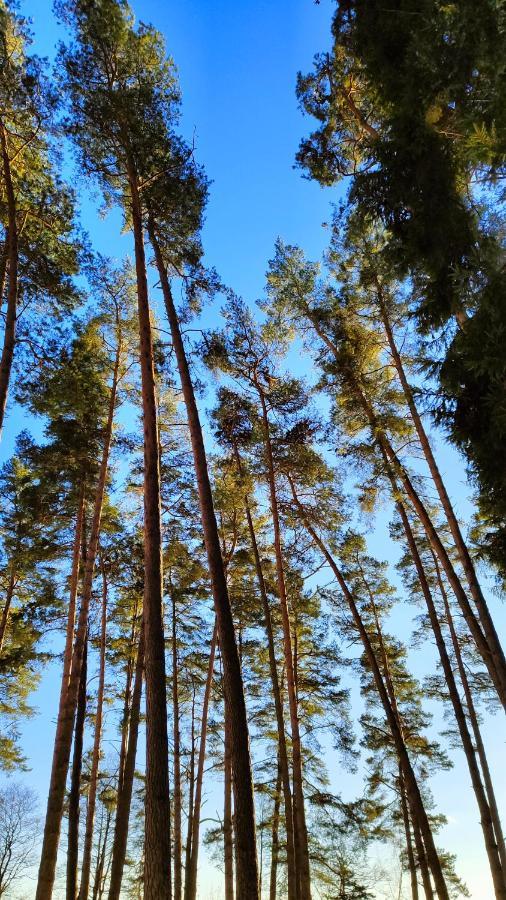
point(237, 62)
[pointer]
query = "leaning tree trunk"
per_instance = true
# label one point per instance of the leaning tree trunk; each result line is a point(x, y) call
point(413, 791)
point(273, 878)
point(246, 856)
point(75, 785)
point(125, 787)
point(95, 759)
point(69, 691)
point(498, 876)
point(7, 605)
point(12, 291)
point(485, 638)
point(157, 868)
point(460, 544)
point(191, 874)
point(299, 817)
point(191, 801)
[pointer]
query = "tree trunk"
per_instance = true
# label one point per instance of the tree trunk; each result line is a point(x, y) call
point(473, 718)
point(299, 817)
point(157, 869)
point(68, 694)
point(95, 760)
point(7, 605)
point(119, 846)
point(12, 291)
point(247, 865)
point(75, 785)
point(278, 703)
point(191, 874)
point(98, 882)
point(491, 653)
point(460, 544)
point(413, 791)
point(409, 841)
point(191, 803)
point(178, 846)
point(273, 880)
point(467, 744)
point(228, 831)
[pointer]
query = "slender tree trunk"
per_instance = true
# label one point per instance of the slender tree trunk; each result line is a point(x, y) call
point(178, 846)
point(157, 869)
point(299, 817)
point(7, 605)
point(278, 704)
point(95, 760)
point(473, 718)
point(12, 291)
point(486, 643)
point(191, 803)
point(68, 695)
point(75, 785)
point(191, 875)
point(98, 883)
point(120, 839)
point(4, 259)
point(247, 864)
point(273, 880)
point(467, 744)
point(460, 544)
point(423, 863)
point(409, 840)
point(413, 791)
point(228, 831)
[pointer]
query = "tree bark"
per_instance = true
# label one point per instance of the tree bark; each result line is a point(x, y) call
point(157, 868)
point(120, 839)
point(247, 864)
point(95, 760)
point(12, 291)
point(192, 868)
point(7, 605)
point(299, 817)
point(75, 785)
point(273, 879)
point(68, 694)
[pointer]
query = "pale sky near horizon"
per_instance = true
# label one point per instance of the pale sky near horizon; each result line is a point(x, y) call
point(237, 65)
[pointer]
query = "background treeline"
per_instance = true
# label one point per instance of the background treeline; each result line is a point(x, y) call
point(219, 620)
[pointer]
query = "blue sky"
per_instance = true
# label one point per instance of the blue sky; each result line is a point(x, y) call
point(237, 63)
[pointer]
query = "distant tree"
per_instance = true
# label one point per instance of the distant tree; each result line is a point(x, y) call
point(19, 826)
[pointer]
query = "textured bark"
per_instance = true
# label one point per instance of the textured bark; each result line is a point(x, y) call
point(273, 878)
point(95, 759)
point(192, 869)
point(460, 544)
point(68, 694)
point(413, 791)
point(3, 266)
point(120, 839)
point(12, 290)
point(75, 785)
point(228, 831)
point(157, 868)
point(299, 817)
point(177, 804)
point(247, 864)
